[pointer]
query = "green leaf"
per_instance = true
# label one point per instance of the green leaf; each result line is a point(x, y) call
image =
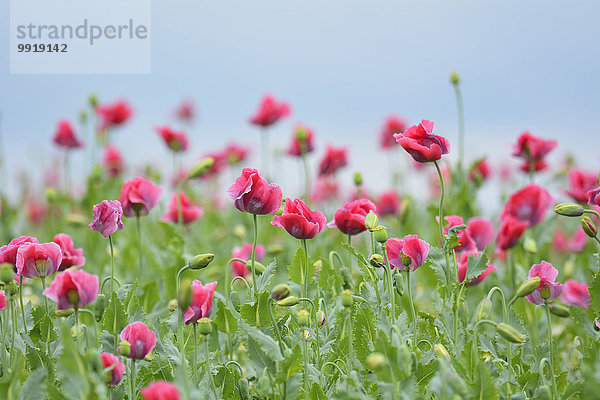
point(257, 314)
point(151, 296)
point(296, 269)
point(290, 365)
point(34, 387)
point(476, 265)
point(267, 344)
point(225, 320)
point(114, 318)
point(265, 278)
point(484, 386)
point(594, 289)
point(363, 264)
point(363, 332)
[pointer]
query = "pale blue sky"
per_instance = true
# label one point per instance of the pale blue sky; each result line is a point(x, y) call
point(343, 65)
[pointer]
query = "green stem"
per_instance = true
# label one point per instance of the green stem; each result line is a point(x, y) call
point(13, 323)
point(21, 302)
point(275, 326)
point(412, 307)
point(461, 125)
point(139, 237)
point(255, 219)
point(305, 283)
point(305, 362)
point(208, 369)
point(392, 297)
point(195, 352)
point(554, 390)
point(441, 223)
point(306, 177)
point(531, 171)
point(314, 309)
point(456, 307)
point(43, 278)
point(112, 284)
point(350, 344)
point(180, 326)
point(132, 380)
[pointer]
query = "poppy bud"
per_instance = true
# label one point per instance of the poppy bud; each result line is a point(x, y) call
point(529, 245)
point(484, 309)
point(509, 333)
point(258, 267)
point(288, 301)
point(125, 348)
point(347, 299)
point(73, 297)
point(588, 226)
point(358, 180)
point(569, 209)
point(244, 389)
point(83, 116)
point(321, 318)
point(306, 334)
point(51, 194)
point(239, 231)
point(280, 292)
point(64, 313)
point(303, 317)
point(560, 310)
point(7, 273)
point(399, 284)
point(348, 282)
point(371, 221)
point(375, 361)
point(93, 100)
point(149, 357)
point(99, 306)
point(234, 297)
point(201, 167)
point(185, 295)
point(381, 235)
point(200, 261)
point(596, 325)
point(377, 260)
point(405, 260)
point(301, 134)
point(441, 351)
point(454, 78)
point(528, 286)
point(204, 326)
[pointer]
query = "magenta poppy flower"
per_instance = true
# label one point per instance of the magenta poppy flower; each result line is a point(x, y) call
point(350, 219)
point(2, 300)
point(65, 135)
point(388, 204)
point(68, 282)
point(422, 144)
point(8, 253)
point(532, 148)
point(176, 141)
point(270, 111)
point(462, 269)
point(252, 194)
point(38, 260)
point(576, 294)
point(299, 220)
point(107, 217)
point(186, 111)
point(509, 233)
point(112, 162)
point(245, 253)
point(578, 241)
point(116, 374)
point(529, 204)
point(189, 211)
point(334, 159)
point(549, 289)
point(594, 197)
point(221, 162)
point(302, 142)
point(480, 171)
point(392, 125)
point(160, 390)
point(70, 255)
point(139, 196)
point(580, 183)
point(141, 339)
point(465, 243)
point(112, 115)
point(235, 154)
point(201, 302)
point(408, 252)
point(481, 231)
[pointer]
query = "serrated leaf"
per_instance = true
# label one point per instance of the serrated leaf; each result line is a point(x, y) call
point(363, 332)
point(484, 387)
point(476, 265)
point(114, 318)
point(225, 320)
point(363, 264)
point(34, 387)
point(265, 278)
point(296, 268)
point(290, 365)
point(257, 314)
point(594, 289)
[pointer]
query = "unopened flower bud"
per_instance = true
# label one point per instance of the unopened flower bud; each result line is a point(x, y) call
point(484, 309)
point(321, 318)
point(301, 134)
point(375, 361)
point(528, 286)
point(347, 299)
point(381, 235)
point(258, 267)
point(529, 245)
point(399, 284)
point(377, 260)
point(76, 332)
point(588, 226)
point(288, 301)
point(149, 357)
point(569, 209)
point(93, 100)
point(280, 292)
point(124, 348)
point(64, 313)
point(303, 317)
point(454, 78)
point(560, 310)
point(239, 231)
point(204, 326)
point(371, 221)
point(173, 304)
point(201, 167)
point(306, 334)
point(99, 306)
point(200, 261)
point(596, 325)
point(7, 273)
point(509, 333)
point(405, 260)
point(358, 179)
point(51, 194)
point(441, 351)
point(185, 295)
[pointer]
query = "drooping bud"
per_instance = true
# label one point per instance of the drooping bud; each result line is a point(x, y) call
point(529, 245)
point(588, 226)
point(258, 267)
point(347, 299)
point(321, 318)
point(204, 326)
point(441, 351)
point(569, 209)
point(371, 221)
point(375, 361)
point(288, 301)
point(185, 295)
point(124, 348)
point(358, 179)
point(201, 167)
point(306, 334)
point(484, 309)
point(528, 286)
point(377, 260)
point(381, 235)
point(399, 284)
point(303, 317)
point(280, 292)
point(509, 333)
point(200, 261)
point(560, 310)
point(454, 78)
point(239, 231)
point(7, 273)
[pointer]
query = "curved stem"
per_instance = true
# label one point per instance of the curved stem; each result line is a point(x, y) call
point(108, 278)
point(333, 253)
point(240, 278)
point(255, 219)
point(412, 307)
point(275, 326)
point(441, 222)
point(237, 365)
point(180, 326)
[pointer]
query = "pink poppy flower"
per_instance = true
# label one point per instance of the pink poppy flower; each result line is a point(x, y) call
point(302, 142)
point(245, 253)
point(139, 196)
point(409, 252)
point(235, 153)
point(8, 253)
point(36, 210)
point(462, 269)
point(480, 171)
point(176, 141)
point(509, 233)
point(334, 159)
point(532, 148)
point(65, 135)
point(299, 220)
point(350, 219)
point(576, 294)
point(116, 374)
point(324, 189)
point(72, 287)
point(141, 339)
point(481, 231)
point(220, 163)
point(549, 289)
point(185, 111)
point(160, 391)
point(270, 111)
point(388, 204)
point(594, 197)
point(422, 144)
point(38, 260)
point(252, 194)
point(70, 255)
point(578, 241)
point(201, 302)
point(189, 211)
point(107, 217)
point(112, 161)
point(392, 125)
point(112, 115)
point(581, 182)
point(2, 300)
point(529, 204)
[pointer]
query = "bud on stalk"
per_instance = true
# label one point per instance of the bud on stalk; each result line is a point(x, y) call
point(398, 283)
point(560, 310)
point(441, 351)
point(509, 333)
point(258, 267)
point(528, 286)
point(381, 235)
point(377, 260)
point(204, 326)
point(124, 348)
point(569, 209)
point(200, 261)
point(358, 180)
point(201, 167)
point(588, 226)
point(375, 361)
point(347, 299)
point(321, 318)
point(280, 292)
point(371, 221)
point(303, 318)
point(7, 273)
point(288, 301)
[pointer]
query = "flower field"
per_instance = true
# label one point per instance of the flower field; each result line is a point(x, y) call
point(207, 281)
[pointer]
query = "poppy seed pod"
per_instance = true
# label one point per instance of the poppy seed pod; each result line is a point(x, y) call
point(528, 286)
point(7, 273)
point(347, 299)
point(375, 361)
point(358, 179)
point(371, 221)
point(201, 168)
point(454, 78)
point(560, 310)
point(280, 292)
point(204, 326)
point(569, 209)
point(509, 333)
point(588, 226)
point(64, 313)
point(441, 351)
point(288, 301)
point(381, 235)
point(258, 267)
point(377, 260)
point(200, 261)
point(303, 317)
point(125, 348)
